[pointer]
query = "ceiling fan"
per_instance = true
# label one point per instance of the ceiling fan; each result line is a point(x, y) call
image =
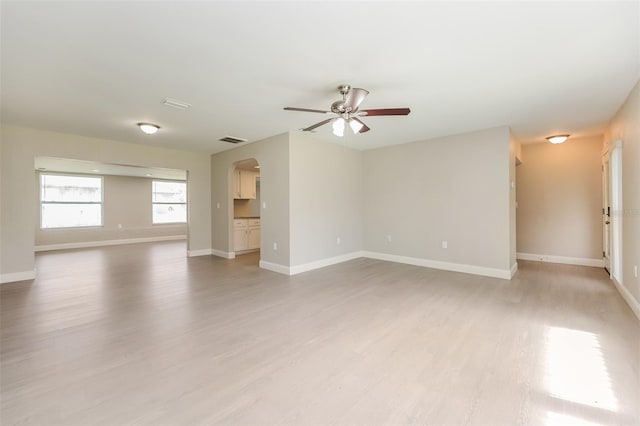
point(348, 111)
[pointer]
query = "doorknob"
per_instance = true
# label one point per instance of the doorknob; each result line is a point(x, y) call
point(607, 222)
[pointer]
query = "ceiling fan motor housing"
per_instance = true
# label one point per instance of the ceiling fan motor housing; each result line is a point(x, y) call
point(338, 107)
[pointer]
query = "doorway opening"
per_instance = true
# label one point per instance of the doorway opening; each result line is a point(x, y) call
point(246, 210)
point(83, 204)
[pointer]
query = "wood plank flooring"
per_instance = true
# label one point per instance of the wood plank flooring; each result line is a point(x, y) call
point(140, 334)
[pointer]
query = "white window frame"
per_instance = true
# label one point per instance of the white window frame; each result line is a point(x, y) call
point(153, 203)
point(101, 202)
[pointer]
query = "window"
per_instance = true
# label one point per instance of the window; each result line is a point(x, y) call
point(169, 202)
point(70, 201)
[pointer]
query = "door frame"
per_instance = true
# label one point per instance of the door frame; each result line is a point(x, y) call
point(612, 209)
point(606, 213)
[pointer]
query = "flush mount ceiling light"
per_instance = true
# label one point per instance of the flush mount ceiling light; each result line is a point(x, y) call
point(148, 128)
point(556, 139)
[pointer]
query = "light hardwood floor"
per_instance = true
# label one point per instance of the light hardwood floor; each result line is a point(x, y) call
point(140, 334)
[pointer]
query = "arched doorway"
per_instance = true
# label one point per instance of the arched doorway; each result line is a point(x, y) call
point(246, 210)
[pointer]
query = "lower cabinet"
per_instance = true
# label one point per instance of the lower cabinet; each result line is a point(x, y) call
point(246, 234)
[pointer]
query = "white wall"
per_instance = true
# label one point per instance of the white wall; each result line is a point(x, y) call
point(326, 182)
point(625, 126)
point(273, 156)
point(560, 199)
point(127, 214)
point(21, 145)
point(454, 188)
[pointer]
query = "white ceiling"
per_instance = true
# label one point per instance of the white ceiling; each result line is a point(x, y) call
point(97, 68)
point(68, 165)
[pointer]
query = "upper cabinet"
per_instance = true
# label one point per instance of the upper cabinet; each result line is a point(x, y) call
point(245, 184)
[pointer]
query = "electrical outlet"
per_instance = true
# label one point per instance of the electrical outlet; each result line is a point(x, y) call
point(388, 238)
point(264, 204)
point(217, 205)
point(444, 244)
point(275, 246)
point(635, 271)
point(119, 226)
point(338, 241)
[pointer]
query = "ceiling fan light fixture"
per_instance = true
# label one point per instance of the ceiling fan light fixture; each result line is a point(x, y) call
point(557, 139)
point(338, 126)
point(355, 125)
point(149, 128)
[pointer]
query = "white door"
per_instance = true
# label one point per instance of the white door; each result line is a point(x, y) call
point(606, 213)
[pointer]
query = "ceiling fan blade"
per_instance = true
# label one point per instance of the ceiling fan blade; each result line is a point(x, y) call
point(364, 128)
point(384, 111)
point(322, 123)
point(356, 96)
point(306, 110)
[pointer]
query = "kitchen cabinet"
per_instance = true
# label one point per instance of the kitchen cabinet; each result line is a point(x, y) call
point(246, 234)
point(245, 184)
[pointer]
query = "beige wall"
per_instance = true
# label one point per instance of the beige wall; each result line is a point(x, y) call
point(21, 145)
point(127, 202)
point(625, 126)
point(273, 156)
point(326, 184)
point(454, 188)
point(559, 196)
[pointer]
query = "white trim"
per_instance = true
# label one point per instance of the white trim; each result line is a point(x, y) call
point(200, 252)
point(596, 263)
point(224, 254)
point(628, 297)
point(317, 264)
point(87, 244)
point(514, 269)
point(281, 269)
point(447, 266)
point(611, 145)
point(17, 276)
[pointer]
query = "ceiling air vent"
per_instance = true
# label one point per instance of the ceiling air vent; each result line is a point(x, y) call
point(232, 139)
point(175, 104)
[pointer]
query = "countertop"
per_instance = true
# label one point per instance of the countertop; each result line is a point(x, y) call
point(247, 217)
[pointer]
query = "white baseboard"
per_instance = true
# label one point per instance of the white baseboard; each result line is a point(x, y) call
point(597, 263)
point(281, 269)
point(17, 276)
point(224, 254)
point(628, 297)
point(317, 264)
point(200, 252)
point(456, 267)
point(447, 266)
point(514, 269)
point(87, 244)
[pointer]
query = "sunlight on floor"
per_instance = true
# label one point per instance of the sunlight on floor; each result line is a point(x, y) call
point(576, 371)
point(557, 419)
